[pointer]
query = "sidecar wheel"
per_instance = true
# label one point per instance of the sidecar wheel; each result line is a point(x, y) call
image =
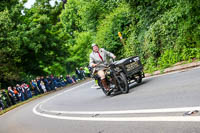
point(138, 77)
point(123, 83)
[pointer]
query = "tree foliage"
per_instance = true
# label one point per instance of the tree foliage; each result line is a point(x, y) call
point(48, 39)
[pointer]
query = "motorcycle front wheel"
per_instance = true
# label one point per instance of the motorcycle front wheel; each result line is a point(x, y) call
point(103, 89)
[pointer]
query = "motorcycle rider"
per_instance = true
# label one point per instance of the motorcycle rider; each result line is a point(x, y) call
point(98, 60)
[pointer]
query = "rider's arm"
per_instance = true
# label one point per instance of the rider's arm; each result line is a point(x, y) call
point(109, 54)
point(92, 62)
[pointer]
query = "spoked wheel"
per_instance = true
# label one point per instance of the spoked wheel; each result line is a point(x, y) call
point(103, 89)
point(123, 83)
point(138, 77)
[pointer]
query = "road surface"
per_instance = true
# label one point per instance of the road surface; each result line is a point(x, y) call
point(159, 104)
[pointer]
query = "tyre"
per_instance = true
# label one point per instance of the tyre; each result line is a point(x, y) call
point(103, 89)
point(138, 77)
point(123, 83)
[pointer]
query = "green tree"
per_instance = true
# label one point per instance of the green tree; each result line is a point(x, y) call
point(118, 20)
point(8, 49)
point(41, 37)
point(51, 40)
point(79, 53)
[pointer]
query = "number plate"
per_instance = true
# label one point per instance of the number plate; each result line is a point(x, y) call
point(132, 66)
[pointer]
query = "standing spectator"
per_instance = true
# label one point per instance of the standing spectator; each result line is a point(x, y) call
point(24, 92)
point(28, 90)
point(21, 92)
point(11, 95)
point(16, 94)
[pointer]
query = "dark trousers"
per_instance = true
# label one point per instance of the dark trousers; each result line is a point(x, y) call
point(12, 100)
point(22, 96)
point(1, 104)
point(47, 87)
point(36, 91)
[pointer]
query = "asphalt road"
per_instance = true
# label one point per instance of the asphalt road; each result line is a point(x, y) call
point(157, 105)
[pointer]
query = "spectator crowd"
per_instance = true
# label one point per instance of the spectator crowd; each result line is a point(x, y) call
point(40, 85)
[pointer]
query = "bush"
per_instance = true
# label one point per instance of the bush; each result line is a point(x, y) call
point(168, 58)
point(118, 20)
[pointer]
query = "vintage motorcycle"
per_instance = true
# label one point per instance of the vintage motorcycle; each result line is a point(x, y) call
point(120, 74)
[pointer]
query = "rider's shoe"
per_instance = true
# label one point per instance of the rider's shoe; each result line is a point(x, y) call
point(108, 91)
point(113, 93)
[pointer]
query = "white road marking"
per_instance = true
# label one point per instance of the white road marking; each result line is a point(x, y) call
point(117, 119)
point(144, 111)
point(48, 99)
point(147, 111)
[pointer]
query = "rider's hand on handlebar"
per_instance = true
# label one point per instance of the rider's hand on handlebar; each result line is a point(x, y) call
point(114, 57)
point(94, 65)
